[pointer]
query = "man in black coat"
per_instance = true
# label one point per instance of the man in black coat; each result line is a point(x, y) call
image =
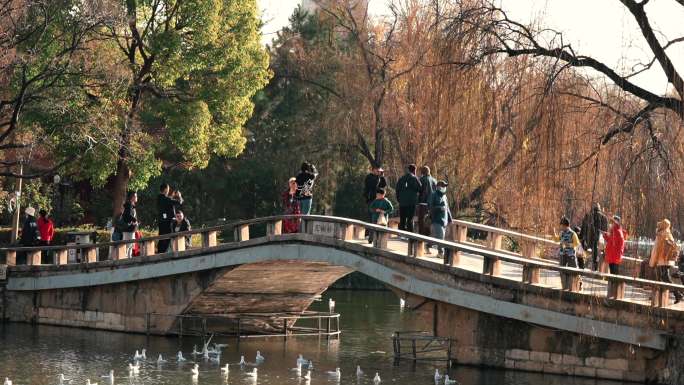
point(166, 207)
point(374, 181)
point(408, 188)
point(29, 234)
point(594, 223)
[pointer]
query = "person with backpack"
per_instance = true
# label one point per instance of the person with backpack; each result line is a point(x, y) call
point(594, 224)
point(374, 180)
point(440, 213)
point(408, 187)
point(665, 250)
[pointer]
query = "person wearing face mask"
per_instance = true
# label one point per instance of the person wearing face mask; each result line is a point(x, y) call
point(439, 212)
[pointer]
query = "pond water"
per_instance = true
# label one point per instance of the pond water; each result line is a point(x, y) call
point(36, 355)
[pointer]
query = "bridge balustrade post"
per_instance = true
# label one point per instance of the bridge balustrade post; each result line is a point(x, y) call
point(344, 231)
point(274, 228)
point(616, 288)
point(11, 258)
point(457, 234)
point(359, 232)
point(660, 297)
point(531, 274)
point(570, 281)
point(528, 249)
point(380, 239)
point(242, 233)
point(89, 254)
point(416, 248)
point(61, 257)
point(494, 241)
point(209, 239)
point(491, 266)
point(119, 252)
point(178, 244)
point(148, 248)
point(33, 258)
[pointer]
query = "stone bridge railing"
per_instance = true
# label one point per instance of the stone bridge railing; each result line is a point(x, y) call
point(348, 229)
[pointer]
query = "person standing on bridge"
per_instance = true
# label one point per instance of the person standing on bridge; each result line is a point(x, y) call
point(46, 228)
point(569, 241)
point(380, 210)
point(374, 181)
point(305, 183)
point(29, 234)
point(129, 219)
point(166, 206)
point(594, 223)
point(428, 185)
point(664, 251)
point(440, 213)
point(408, 188)
point(291, 207)
point(615, 244)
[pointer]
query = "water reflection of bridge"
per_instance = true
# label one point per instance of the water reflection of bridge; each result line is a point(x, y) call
point(504, 308)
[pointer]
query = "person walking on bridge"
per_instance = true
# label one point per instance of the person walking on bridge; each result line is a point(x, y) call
point(615, 244)
point(129, 220)
point(428, 185)
point(665, 251)
point(594, 223)
point(439, 213)
point(408, 188)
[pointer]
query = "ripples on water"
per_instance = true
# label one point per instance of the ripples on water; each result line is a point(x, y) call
point(36, 355)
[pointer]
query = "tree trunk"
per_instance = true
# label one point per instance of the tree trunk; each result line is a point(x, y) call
point(123, 175)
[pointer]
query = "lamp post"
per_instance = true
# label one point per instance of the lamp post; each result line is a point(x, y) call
point(17, 205)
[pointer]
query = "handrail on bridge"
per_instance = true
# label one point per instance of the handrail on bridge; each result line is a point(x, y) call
point(349, 229)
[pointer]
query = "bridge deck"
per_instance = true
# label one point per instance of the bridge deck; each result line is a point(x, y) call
point(514, 272)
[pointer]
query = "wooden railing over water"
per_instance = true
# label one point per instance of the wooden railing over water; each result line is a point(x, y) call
point(348, 230)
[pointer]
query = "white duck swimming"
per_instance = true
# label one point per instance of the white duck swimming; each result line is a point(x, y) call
point(359, 372)
point(259, 357)
point(301, 360)
point(225, 370)
point(161, 360)
point(62, 379)
point(448, 381)
point(180, 357)
point(195, 370)
point(307, 376)
point(437, 375)
point(110, 377)
point(90, 383)
point(252, 374)
point(376, 379)
point(336, 375)
point(134, 369)
point(298, 369)
point(7, 381)
point(242, 361)
point(331, 305)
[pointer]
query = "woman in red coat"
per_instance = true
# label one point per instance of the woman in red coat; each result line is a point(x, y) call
point(291, 207)
point(615, 244)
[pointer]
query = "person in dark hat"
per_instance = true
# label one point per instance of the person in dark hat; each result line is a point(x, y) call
point(374, 180)
point(408, 188)
point(440, 213)
point(594, 223)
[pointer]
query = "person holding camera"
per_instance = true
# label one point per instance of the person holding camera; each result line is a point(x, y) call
point(305, 182)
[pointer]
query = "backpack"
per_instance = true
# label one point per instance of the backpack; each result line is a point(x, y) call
point(119, 225)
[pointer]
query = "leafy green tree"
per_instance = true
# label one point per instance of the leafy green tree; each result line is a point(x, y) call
point(183, 75)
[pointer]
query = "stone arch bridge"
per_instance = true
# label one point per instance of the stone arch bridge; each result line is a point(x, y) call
point(508, 309)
